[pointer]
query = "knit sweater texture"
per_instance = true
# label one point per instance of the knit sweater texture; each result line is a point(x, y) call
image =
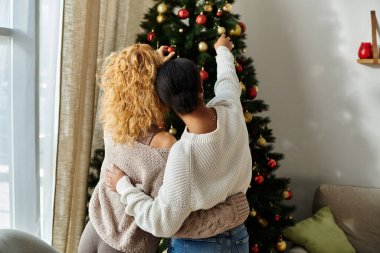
point(145, 166)
point(202, 169)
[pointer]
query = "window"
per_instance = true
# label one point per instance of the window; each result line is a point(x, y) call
point(28, 113)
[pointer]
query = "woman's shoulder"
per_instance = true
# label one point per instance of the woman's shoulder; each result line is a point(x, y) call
point(163, 139)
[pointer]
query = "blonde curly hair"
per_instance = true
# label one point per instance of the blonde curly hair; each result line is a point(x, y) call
point(130, 106)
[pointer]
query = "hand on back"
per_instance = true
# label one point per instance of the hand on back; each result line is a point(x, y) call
point(223, 41)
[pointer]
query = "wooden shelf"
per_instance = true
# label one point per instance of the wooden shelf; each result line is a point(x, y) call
point(375, 49)
point(368, 61)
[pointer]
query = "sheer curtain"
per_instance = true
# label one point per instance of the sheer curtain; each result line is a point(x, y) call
point(50, 27)
point(92, 29)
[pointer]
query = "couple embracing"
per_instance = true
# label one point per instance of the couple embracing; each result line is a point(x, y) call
point(191, 190)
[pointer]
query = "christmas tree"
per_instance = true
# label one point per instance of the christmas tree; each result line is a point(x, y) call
point(190, 28)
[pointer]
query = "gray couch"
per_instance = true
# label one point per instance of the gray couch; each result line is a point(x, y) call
point(15, 241)
point(356, 211)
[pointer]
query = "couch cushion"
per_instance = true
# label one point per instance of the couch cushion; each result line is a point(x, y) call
point(356, 211)
point(320, 234)
point(14, 241)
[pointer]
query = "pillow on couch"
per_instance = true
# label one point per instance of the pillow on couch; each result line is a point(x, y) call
point(320, 234)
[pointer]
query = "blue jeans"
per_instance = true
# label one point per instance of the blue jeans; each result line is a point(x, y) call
point(235, 240)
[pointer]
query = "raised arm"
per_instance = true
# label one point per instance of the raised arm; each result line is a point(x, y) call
point(227, 83)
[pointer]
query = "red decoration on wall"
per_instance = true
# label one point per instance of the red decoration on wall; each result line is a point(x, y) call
point(365, 50)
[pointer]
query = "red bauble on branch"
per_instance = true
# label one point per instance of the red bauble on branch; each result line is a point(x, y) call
point(201, 19)
point(239, 67)
point(277, 217)
point(242, 26)
point(204, 75)
point(171, 49)
point(150, 36)
point(183, 13)
point(252, 92)
point(272, 163)
point(259, 179)
point(288, 194)
point(255, 249)
point(219, 13)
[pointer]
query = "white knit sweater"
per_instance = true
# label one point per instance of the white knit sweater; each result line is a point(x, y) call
point(202, 169)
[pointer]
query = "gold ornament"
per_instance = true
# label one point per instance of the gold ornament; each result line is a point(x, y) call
point(161, 18)
point(202, 46)
point(162, 8)
point(244, 50)
point(261, 141)
point(248, 117)
point(207, 7)
point(227, 7)
point(263, 222)
point(281, 245)
point(235, 31)
point(253, 213)
point(172, 131)
point(180, 30)
point(242, 86)
point(221, 30)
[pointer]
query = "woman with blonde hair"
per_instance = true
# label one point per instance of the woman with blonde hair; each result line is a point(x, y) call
point(131, 114)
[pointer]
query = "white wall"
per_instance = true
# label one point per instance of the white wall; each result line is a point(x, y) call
point(324, 107)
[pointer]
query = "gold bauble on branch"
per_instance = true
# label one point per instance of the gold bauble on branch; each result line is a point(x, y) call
point(202, 46)
point(221, 30)
point(263, 222)
point(172, 131)
point(281, 245)
point(162, 8)
point(161, 18)
point(261, 141)
point(248, 116)
point(253, 213)
point(242, 86)
point(235, 31)
point(207, 7)
point(227, 7)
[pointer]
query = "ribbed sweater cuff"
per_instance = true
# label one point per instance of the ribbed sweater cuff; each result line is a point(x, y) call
point(123, 185)
point(242, 207)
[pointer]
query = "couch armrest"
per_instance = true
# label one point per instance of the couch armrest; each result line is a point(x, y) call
point(21, 242)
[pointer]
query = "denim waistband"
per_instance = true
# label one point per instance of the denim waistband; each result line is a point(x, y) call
point(234, 231)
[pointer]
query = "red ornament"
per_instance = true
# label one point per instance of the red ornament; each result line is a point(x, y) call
point(255, 249)
point(277, 217)
point(239, 68)
point(259, 179)
point(150, 36)
point(272, 163)
point(252, 92)
point(219, 13)
point(183, 13)
point(365, 50)
point(171, 49)
point(201, 19)
point(242, 26)
point(287, 194)
point(204, 75)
